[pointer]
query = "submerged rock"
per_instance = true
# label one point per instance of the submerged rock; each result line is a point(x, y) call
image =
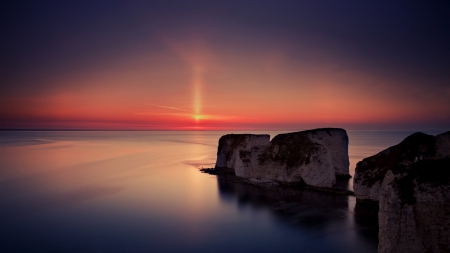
point(411, 181)
point(315, 157)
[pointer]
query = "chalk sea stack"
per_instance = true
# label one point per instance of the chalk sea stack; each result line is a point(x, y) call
point(411, 182)
point(233, 146)
point(316, 157)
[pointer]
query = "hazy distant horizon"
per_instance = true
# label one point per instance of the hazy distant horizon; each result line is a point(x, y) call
point(219, 129)
point(223, 130)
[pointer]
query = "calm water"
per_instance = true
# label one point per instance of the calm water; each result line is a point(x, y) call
point(142, 192)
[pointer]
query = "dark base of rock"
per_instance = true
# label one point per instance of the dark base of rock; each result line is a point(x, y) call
point(366, 217)
point(368, 204)
point(334, 190)
point(343, 176)
point(227, 175)
point(217, 171)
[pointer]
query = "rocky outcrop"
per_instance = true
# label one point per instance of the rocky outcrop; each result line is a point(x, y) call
point(315, 157)
point(411, 181)
point(233, 149)
point(371, 171)
point(414, 213)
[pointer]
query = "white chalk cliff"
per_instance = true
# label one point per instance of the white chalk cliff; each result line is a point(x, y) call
point(233, 146)
point(411, 181)
point(315, 157)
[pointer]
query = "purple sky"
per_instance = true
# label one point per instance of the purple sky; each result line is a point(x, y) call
point(224, 64)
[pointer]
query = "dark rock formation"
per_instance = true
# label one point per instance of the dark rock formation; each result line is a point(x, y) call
point(315, 157)
point(411, 181)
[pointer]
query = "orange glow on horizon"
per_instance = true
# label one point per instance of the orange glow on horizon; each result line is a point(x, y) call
point(221, 89)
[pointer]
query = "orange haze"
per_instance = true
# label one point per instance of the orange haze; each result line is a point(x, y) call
point(197, 85)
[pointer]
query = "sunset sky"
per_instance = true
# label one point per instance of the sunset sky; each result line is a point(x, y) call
point(185, 65)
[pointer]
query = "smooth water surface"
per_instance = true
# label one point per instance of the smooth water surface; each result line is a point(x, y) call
point(142, 192)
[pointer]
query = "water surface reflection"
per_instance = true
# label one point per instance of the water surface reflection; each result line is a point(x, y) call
point(330, 217)
point(142, 192)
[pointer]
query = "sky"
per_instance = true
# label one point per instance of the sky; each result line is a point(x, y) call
point(224, 65)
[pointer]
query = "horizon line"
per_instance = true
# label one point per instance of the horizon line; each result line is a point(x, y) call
point(208, 130)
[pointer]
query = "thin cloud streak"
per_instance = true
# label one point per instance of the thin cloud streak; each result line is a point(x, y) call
point(169, 107)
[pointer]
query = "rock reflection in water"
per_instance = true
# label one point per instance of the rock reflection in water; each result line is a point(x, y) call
point(317, 213)
point(366, 218)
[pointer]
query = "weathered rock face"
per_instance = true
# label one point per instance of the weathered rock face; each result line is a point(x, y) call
point(233, 148)
point(315, 157)
point(370, 172)
point(411, 181)
point(414, 214)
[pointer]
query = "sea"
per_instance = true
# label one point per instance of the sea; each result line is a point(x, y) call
point(142, 191)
